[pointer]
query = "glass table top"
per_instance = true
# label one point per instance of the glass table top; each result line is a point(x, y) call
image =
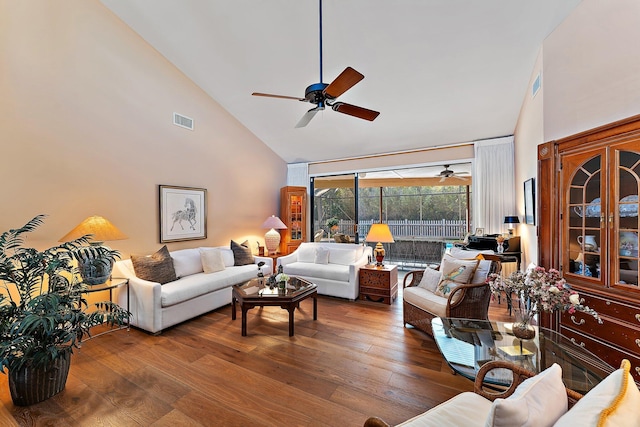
point(468, 344)
point(259, 287)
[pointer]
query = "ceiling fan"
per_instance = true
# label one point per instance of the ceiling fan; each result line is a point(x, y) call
point(448, 173)
point(323, 94)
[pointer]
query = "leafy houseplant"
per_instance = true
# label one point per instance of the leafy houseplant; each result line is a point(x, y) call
point(43, 310)
point(332, 223)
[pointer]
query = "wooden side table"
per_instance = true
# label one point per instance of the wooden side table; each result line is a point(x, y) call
point(379, 284)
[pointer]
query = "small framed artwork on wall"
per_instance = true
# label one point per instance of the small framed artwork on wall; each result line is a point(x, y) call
point(183, 213)
point(480, 232)
point(530, 201)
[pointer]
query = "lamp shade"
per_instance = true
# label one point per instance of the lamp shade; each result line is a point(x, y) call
point(379, 233)
point(274, 222)
point(101, 229)
point(511, 220)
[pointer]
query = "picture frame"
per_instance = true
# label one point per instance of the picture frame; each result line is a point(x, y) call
point(530, 201)
point(479, 232)
point(183, 213)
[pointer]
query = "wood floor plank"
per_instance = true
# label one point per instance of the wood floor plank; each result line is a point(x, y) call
point(355, 361)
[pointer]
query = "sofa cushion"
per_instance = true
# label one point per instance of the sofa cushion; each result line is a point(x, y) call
point(186, 262)
point(322, 271)
point(342, 256)
point(241, 253)
point(211, 260)
point(306, 254)
point(482, 271)
point(613, 402)
point(195, 285)
point(227, 255)
point(538, 401)
point(157, 267)
point(455, 272)
point(465, 409)
point(425, 300)
point(322, 256)
point(430, 279)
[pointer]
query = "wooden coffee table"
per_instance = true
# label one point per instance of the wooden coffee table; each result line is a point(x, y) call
point(255, 293)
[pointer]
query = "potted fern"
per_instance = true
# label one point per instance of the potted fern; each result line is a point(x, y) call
point(44, 313)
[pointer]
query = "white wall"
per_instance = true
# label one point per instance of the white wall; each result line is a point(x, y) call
point(86, 128)
point(590, 76)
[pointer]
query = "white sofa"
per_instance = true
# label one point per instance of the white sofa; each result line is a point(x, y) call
point(155, 307)
point(332, 266)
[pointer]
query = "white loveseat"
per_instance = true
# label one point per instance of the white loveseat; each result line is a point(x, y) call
point(155, 307)
point(332, 266)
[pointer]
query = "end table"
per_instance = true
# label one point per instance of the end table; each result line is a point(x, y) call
point(379, 284)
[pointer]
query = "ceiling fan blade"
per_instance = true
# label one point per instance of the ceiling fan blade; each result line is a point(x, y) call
point(443, 178)
point(463, 178)
point(354, 110)
point(277, 96)
point(345, 81)
point(308, 116)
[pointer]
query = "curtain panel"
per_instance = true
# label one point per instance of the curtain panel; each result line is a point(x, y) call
point(494, 194)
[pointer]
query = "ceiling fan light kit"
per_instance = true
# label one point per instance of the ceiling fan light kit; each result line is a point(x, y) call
point(323, 94)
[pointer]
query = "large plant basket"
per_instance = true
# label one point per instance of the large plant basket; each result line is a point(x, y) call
point(30, 385)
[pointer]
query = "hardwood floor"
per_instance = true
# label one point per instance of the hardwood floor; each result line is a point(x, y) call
point(355, 361)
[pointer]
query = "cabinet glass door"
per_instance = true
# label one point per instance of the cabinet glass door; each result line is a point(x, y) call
point(296, 206)
point(585, 218)
point(625, 235)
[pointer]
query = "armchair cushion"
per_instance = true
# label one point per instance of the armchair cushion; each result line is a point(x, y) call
point(426, 300)
point(538, 401)
point(454, 272)
point(430, 279)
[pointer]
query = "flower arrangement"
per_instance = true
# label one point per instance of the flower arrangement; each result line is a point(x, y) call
point(282, 278)
point(540, 290)
point(500, 239)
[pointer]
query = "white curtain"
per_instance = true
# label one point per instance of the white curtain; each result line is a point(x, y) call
point(494, 193)
point(298, 174)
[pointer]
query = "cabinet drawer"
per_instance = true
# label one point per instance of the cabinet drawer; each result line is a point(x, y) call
point(611, 355)
point(611, 330)
point(381, 279)
point(619, 310)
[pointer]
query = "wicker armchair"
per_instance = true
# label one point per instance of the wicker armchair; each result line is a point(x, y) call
point(519, 375)
point(470, 301)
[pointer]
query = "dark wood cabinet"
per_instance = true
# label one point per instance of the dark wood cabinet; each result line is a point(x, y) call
point(588, 229)
point(293, 212)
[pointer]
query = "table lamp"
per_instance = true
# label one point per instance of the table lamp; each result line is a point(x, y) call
point(93, 269)
point(272, 237)
point(379, 233)
point(511, 220)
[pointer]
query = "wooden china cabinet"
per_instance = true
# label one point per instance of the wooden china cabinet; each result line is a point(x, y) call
point(588, 229)
point(293, 212)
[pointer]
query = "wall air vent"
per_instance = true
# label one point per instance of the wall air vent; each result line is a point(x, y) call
point(182, 121)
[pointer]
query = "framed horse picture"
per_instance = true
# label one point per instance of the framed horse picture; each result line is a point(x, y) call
point(183, 213)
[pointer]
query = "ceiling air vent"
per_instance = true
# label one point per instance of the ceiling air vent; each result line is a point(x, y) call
point(182, 121)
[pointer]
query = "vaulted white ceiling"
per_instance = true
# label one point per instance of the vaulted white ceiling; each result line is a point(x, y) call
point(439, 71)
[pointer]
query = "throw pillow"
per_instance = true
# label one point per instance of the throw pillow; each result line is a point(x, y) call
point(212, 260)
point(430, 279)
point(454, 272)
point(322, 256)
point(241, 253)
point(613, 402)
point(155, 268)
point(538, 401)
